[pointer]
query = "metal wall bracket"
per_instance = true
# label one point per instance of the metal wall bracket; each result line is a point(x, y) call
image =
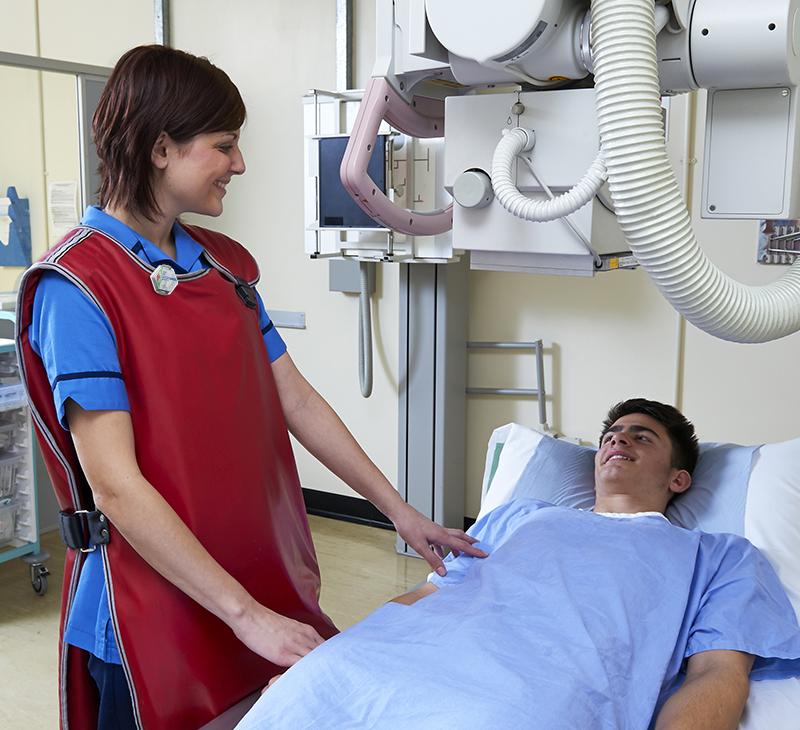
point(778, 242)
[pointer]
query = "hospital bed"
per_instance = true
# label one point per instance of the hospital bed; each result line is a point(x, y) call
point(752, 491)
point(228, 719)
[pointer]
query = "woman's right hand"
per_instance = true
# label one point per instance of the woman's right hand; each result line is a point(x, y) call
point(279, 639)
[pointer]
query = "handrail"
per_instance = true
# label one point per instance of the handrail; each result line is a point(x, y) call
point(538, 392)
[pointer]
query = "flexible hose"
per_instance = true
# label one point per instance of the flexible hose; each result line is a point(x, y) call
point(647, 199)
point(516, 141)
point(365, 332)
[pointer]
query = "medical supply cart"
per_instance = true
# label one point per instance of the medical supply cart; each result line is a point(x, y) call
point(19, 518)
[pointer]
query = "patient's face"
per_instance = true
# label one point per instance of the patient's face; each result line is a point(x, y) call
point(635, 455)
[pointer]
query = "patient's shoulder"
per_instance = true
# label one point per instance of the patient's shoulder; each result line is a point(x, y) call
point(516, 508)
point(496, 526)
point(725, 540)
point(725, 547)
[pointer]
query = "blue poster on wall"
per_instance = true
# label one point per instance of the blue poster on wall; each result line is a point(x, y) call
point(15, 230)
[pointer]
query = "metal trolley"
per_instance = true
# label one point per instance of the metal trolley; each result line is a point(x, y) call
point(19, 513)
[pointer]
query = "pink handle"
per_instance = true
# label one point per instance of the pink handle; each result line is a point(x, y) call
point(381, 102)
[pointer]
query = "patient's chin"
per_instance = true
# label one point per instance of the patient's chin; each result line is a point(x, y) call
point(615, 480)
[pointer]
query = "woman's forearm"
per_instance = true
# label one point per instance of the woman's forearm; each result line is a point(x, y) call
point(161, 538)
point(105, 446)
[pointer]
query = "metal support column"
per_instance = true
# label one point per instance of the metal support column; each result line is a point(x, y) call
point(344, 45)
point(432, 377)
point(89, 89)
point(161, 27)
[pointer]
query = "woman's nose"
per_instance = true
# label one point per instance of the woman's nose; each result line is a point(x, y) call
point(237, 163)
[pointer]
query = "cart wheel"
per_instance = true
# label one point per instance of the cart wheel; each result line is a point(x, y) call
point(39, 575)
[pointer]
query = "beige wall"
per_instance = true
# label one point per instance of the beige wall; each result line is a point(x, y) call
point(18, 29)
point(96, 32)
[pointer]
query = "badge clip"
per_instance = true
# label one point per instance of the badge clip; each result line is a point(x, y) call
point(246, 293)
point(164, 280)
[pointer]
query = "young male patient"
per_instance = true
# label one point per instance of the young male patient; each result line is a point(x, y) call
point(612, 618)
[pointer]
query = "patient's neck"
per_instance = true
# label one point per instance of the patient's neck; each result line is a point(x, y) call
point(623, 503)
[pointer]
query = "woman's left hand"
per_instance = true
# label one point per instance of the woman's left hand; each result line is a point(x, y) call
point(431, 541)
point(271, 682)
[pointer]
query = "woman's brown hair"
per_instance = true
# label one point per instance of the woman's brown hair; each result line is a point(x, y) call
point(155, 89)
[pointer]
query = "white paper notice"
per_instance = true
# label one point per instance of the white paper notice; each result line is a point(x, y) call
point(62, 208)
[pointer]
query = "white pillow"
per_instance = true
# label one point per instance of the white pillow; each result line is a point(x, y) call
point(772, 524)
point(510, 448)
point(772, 512)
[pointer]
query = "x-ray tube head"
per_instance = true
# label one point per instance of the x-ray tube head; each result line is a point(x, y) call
point(541, 45)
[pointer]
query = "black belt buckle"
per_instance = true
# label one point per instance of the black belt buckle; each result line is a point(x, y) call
point(83, 529)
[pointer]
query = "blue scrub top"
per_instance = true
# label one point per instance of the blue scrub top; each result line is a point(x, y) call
point(92, 377)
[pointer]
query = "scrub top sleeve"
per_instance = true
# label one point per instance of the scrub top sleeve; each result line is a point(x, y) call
point(274, 342)
point(745, 608)
point(491, 531)
point(89, 372)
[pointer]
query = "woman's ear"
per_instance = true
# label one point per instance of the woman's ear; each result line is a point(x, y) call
point(681, 480)
point(160, 152)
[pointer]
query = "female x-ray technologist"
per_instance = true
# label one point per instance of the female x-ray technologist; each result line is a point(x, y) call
point(162, 395)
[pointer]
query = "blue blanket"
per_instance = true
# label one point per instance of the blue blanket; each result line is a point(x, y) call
point(576, 620)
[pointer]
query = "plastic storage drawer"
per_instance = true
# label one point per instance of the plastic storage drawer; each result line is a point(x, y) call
point(8, 476)
point(8, 516)
point(8, 436)
point(12, 396)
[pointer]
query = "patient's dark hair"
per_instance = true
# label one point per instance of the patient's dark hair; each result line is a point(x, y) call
point(681, 431)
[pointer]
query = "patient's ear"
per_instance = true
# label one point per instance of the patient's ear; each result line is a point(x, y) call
point(680, 481)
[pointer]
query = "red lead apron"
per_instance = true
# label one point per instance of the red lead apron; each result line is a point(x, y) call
point(211, 438)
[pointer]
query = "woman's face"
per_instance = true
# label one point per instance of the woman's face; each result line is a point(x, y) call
point(197, 173)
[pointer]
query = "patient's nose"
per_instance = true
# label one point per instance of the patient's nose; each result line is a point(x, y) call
point(620, 437)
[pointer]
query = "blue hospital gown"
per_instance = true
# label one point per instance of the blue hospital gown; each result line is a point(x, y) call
point(575, 621)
